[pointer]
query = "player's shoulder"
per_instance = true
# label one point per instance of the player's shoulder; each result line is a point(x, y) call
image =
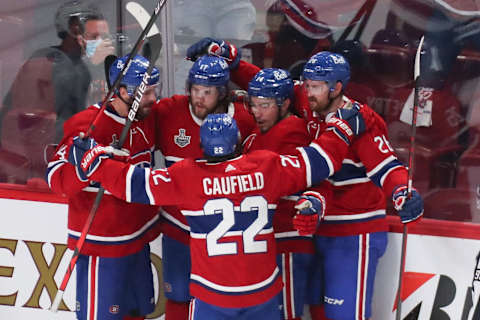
point(174, 101)
point(262, 156)
point(374, 122)
point(170, 106)
point(80, 121)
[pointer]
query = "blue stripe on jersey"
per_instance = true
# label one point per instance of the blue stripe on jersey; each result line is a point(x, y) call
point(230, 293)
point(169, 163)
point(138, 187)
point(203, 224)
point(348, 172)
point(378, 177)
point(318, 165)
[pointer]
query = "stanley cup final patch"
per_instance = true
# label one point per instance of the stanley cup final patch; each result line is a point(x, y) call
point(182, 140)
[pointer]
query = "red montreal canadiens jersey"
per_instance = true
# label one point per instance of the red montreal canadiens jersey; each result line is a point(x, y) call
point(284, 137)
point(229, 207)
point(119, 228)
point(178, 137)
point(366, 180)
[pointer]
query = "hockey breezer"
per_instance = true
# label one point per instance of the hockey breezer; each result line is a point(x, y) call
point(155, 42)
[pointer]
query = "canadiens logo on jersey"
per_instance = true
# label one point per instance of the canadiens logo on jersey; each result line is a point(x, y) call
point(114, 309)
point(182, 140)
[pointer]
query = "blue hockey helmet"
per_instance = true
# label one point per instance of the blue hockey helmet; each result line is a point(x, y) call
point(271, 83)
point(219, 135)
point(209, 71)
point(329, 67)
point(135, 73)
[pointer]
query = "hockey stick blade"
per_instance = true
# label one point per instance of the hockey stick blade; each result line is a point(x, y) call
point(88, 223)
point(107, 63)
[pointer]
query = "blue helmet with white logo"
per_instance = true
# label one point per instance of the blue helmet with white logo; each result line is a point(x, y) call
point(271, 83)
point(209, 71)
point(329, 67)
point(135, 73)
point(219, 135)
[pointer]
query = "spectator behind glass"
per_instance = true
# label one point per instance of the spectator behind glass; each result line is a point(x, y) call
point(51, 86)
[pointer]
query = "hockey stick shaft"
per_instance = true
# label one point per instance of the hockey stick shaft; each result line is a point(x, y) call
point(133, 53)
point(411, 166)
point(131, 115)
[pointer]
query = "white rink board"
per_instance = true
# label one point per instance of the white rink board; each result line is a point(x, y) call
point(446, 266)
point(26, 225)
point(23, 224)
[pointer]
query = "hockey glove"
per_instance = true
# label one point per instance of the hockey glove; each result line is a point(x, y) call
point(409, 209)
point(215, 47)
point(311, 209)
point(346, 123)
point(86, 155)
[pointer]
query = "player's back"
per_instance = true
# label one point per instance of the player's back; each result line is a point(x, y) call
point(229, 207)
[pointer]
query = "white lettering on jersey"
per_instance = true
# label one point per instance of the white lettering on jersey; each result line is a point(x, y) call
point(383, 144)
point(62, 152)
point(233, 184)
point(289, 160)
point(333, 301)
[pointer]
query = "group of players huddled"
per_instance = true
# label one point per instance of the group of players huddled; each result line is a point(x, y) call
point(270, 201)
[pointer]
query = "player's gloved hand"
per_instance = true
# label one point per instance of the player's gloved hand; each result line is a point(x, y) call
point(311, 209)
point(86, 155)
point(409, 209)
point(215, 47)
point(347, 123)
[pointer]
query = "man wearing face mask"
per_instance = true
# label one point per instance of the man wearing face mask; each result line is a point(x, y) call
point(54, 83)
point(57, 78)
point(98, 44)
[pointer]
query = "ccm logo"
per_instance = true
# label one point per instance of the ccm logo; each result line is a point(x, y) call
point(333, 301)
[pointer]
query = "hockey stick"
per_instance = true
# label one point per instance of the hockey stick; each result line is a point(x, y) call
point(155, 46)
point(411, 160)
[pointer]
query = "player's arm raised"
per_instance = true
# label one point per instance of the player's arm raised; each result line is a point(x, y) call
point(241, 72)
point(325, 154)
point(128, 182)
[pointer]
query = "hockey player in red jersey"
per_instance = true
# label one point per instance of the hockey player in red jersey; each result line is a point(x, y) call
point(229, 207)
point(354, 225)
point(352, 237)
point(113, 273)
point(279, 129)
point(178, 137)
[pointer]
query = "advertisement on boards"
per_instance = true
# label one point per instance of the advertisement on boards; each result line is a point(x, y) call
point(34, 258)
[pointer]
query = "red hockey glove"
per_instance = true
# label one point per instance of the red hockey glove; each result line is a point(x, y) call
point(311, 209)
